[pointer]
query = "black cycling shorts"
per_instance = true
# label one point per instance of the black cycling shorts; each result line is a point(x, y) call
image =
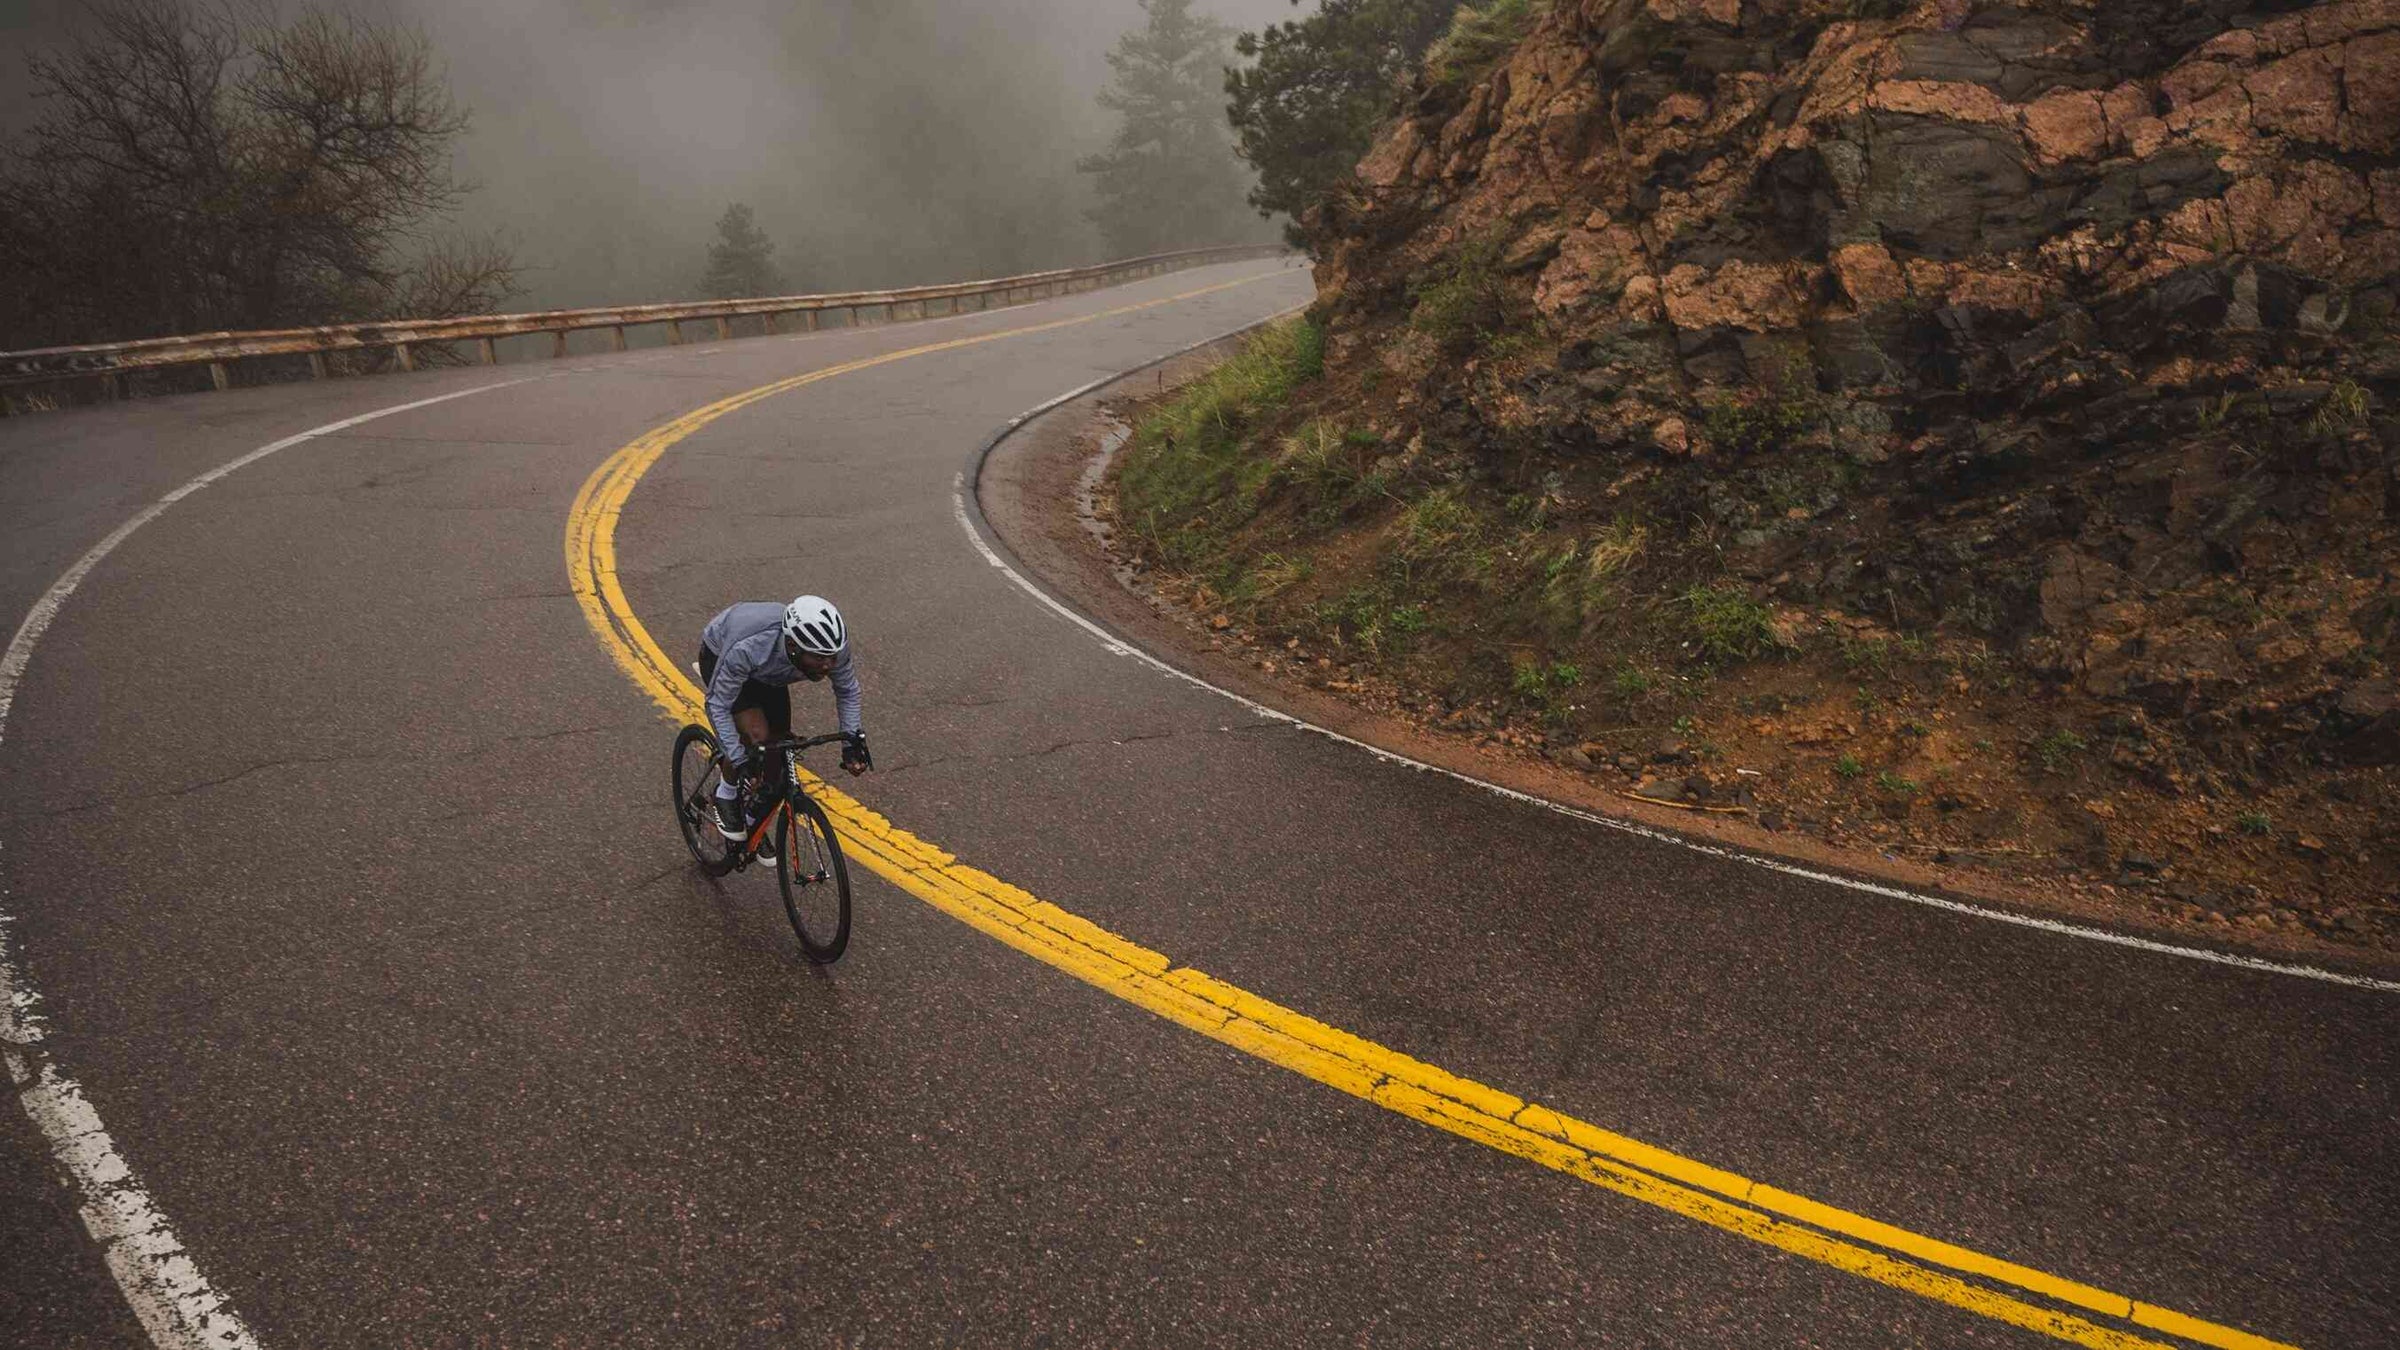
point(775, 700)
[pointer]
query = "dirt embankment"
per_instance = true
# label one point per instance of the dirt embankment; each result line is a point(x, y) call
point(1961, 431)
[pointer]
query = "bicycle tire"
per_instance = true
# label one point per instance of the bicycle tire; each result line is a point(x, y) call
point(823, 935)
point(695, 782)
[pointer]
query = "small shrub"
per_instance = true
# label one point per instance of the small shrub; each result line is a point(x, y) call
point(2254, 823)
point(1373, 619)
point(1726, 623)
point(1895, 784)
point(2344, 410)
point(1760, 422)
point(1866, 654)
point(1848, 766)
point(1460, 298)
point(1271, 575)
point(1511, 343)
point(1614, 549)
point(2056, 748)
point(1438, 522)
point(1630, 682)
point(1479, 35)
point(1547, 686)
point(1320, 463)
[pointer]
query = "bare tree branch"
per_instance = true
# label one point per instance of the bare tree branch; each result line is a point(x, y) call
point(207, 165)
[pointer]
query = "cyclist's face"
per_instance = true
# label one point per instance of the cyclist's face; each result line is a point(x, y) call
point(810, 665)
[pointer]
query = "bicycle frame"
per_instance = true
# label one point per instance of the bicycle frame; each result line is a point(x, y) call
point(782, 804)
point(767, 820)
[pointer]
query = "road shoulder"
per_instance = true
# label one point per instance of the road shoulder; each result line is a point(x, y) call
point(1029, 493)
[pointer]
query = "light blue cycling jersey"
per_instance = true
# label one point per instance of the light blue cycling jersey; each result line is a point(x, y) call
point(748, 641)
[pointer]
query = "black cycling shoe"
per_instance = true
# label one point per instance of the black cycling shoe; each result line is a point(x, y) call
point(766, 851)
point(730, 820)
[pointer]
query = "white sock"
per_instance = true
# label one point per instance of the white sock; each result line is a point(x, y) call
point(726, 791)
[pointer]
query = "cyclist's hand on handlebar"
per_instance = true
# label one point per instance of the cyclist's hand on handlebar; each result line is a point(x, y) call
point(854, 755)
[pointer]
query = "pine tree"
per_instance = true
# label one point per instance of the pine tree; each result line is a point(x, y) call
point(1168, 178)
point(1307, 107)
point(740, 261)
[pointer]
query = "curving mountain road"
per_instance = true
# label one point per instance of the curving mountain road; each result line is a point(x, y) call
point(334, 843)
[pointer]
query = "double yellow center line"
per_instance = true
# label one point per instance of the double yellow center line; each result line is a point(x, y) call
point(1965, 1279)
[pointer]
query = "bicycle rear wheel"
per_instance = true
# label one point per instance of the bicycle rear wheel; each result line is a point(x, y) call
point(815, 880)
point(696, 776)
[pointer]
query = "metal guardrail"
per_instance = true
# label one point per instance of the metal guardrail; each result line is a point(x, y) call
point(112, 360)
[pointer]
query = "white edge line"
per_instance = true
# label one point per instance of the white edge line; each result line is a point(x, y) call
point(1118, 646)
point(162, 1284)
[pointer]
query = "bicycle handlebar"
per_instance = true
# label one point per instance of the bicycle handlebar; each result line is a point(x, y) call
point(798, 743)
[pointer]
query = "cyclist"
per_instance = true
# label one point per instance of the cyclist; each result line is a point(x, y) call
point(750, 654)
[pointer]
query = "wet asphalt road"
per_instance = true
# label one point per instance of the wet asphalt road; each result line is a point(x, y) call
point(336, 847)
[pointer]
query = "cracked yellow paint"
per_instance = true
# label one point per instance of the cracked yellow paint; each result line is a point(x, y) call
point(1964, 1279)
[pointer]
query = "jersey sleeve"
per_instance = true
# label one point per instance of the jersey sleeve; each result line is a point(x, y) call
point(732, 669)
point(845, 693)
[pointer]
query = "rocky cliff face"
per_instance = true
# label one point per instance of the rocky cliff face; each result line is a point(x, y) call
point(2092, 299)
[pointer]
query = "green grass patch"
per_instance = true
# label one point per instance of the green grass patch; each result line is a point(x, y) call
point(2055, 750)
point(2344, 410)
point(1459, 300)
point(1479, 37)
point(1760, 421)
point(1546, 686)
point(1188, 478)
point(1326, 470)
point(1373, 619)
point(1725, 623)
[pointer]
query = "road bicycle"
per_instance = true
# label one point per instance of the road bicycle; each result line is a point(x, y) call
point(808, 856)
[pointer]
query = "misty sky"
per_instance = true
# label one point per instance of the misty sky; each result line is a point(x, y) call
point(881, 141)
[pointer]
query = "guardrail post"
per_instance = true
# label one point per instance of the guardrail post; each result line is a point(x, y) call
point(115, 385)
point(558, 344)
point(219, 376)
point(316, 366)
point(408, 359)
point(616, 338)
point(724, 329)
point(675, 332)
point(891, 312)
point(774, 323)
point(491, 357)
point(811, 316)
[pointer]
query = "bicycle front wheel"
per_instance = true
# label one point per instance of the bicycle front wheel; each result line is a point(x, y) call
point(815, 880)
point(696, 776)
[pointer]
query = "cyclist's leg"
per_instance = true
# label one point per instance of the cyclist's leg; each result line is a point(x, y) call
point(775, 714)
point(763, 713)
point(750, 723)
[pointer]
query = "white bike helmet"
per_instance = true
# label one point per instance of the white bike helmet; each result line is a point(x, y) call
point(814, 626)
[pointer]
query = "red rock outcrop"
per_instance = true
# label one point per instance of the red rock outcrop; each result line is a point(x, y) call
point(2099, 293)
